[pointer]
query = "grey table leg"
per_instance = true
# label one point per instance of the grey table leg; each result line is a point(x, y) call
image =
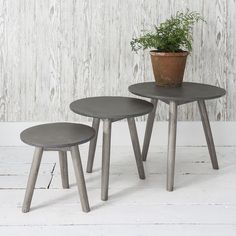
point(32, 179)
point(208, 133)
point(136, 147)
point(106, 147)
point(64, 169)
point(171, 145)
point(80, 178)
point(148, 131)
point(92, 146)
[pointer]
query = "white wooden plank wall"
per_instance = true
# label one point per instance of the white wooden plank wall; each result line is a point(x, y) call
point(54, 51)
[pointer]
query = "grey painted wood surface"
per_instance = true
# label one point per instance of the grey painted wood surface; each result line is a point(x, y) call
point(111, 107)
point(188, 92)
point(55, 51)
point(57, 135)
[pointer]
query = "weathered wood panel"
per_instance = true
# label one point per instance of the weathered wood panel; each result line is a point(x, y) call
point(54, 51)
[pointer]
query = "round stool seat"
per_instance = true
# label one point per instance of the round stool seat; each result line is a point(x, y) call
point(57, 135)
point(187, 92)
point(110, 107)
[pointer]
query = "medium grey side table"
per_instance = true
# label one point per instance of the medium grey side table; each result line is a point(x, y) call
point(60, 137)
point(111, 109)
point(188, 92)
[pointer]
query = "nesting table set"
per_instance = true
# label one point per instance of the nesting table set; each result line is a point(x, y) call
point(63, 137)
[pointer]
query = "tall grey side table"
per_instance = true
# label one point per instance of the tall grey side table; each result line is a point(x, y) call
point(188, 92)
point(60, 137)
point(111, 109)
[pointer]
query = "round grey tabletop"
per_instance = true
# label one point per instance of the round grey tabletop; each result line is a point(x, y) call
point(110, 107)
point(57, 135)
point(187, 92)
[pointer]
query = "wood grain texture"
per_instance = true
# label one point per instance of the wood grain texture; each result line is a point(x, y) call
point(55, 51)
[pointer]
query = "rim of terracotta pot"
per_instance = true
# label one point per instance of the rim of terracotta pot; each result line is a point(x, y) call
point(169, 54)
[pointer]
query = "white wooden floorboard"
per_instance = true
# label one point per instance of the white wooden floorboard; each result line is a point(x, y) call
point(204, 200)
point(118, 230)
point(52, 213)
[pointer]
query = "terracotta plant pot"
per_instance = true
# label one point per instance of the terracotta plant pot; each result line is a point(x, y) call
point(168, 68)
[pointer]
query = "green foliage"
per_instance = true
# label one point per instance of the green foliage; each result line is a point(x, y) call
point(173, 35)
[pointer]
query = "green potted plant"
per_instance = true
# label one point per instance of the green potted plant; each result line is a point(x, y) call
point(172, 42)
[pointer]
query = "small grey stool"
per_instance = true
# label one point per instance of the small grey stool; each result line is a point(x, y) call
point(188, 92)
point(111, 109)
point(60, 137)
